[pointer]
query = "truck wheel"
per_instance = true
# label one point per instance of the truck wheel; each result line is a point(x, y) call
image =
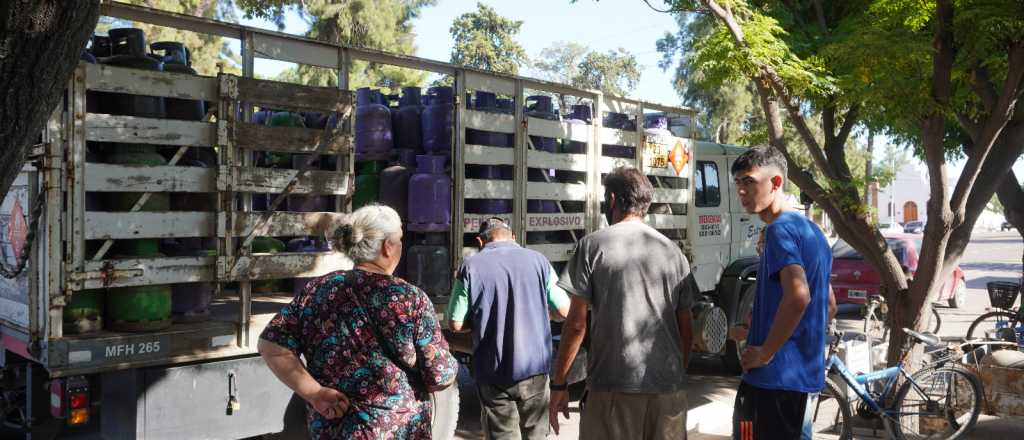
point(446, 413)
point(731, 357)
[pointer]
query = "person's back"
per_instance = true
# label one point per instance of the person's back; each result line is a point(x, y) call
point(508, 286)
point(636, 283)
point(505, 292)
point(634, 294)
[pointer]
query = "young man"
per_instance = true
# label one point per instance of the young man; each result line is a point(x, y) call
point(636, 283)
point(506, 292)
point(784, 360)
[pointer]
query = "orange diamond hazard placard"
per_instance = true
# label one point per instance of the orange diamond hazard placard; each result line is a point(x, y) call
point(678, 157)
point(17, 230)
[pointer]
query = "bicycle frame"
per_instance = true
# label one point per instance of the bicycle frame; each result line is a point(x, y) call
point(857, 382)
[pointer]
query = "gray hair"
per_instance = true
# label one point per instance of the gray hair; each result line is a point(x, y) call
point(363, 232)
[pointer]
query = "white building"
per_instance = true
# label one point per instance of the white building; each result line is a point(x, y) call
point(905, 198)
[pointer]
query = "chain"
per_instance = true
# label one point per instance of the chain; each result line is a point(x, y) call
point(37, 209)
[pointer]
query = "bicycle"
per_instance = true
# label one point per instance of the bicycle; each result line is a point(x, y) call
point(876, 312)
point(1005, 324)
point(942, 400)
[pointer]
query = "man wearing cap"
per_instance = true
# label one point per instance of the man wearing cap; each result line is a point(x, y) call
point(506, 295)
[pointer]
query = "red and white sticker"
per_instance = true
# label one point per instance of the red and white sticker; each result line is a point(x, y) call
point(17, 230)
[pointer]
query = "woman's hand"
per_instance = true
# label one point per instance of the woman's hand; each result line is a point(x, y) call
point(330, 403)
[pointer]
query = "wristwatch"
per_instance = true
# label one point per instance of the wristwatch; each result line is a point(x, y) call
point(554, 387)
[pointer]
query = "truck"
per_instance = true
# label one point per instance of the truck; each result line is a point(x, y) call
point(99, 376)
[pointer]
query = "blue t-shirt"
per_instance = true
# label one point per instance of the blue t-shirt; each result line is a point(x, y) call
point(799, 365)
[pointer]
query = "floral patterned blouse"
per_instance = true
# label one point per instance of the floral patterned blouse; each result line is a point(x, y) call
point(376, 339)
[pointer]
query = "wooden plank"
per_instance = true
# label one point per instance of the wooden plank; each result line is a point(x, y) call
point(607, 164)
point(616, 105)
point(284, 265)
point(471, 222)
point(279, 95)
point(283, 224)
point(106, 78)
point(295, 50)
point(139, 178)
point(555, 252)
point(130, 225)
point(146, 271)
point(556, 191)
point(614, 136)
point(666, 221)
point(130, 129)
point(481, 81)
point(489, 121)
point(272, 180)
point(665, 195)
point(488, 189)
point(486, 155)
point(567, 221)
point(288, 139)
point(558, 129)
point(558, 161)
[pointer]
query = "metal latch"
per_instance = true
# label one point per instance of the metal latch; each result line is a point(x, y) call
point(107, 274)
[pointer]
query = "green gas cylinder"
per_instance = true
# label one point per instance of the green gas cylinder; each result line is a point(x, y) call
point(367, 183)
point(133, 154)
point(138, 308)
point(84, 313)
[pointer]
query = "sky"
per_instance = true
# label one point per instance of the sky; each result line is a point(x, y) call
point(600, 25)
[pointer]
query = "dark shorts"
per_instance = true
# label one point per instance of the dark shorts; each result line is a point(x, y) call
point(761, 413)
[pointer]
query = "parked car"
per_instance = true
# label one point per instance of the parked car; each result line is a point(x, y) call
point(854, 279)
point(914, 227)
point(1006, 226)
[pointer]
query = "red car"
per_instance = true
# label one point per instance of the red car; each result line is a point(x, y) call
point(854, 279)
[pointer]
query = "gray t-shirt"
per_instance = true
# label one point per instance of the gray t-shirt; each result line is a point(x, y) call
point(636, 279)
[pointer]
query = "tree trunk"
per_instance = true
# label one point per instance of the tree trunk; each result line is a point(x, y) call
point(1011, 195)
point(40, 45)
point(868, 167)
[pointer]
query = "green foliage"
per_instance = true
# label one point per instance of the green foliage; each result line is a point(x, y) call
point(616, 71)
point(378, 24)
point(486, 40)
point(996, 206)
point(208, 52)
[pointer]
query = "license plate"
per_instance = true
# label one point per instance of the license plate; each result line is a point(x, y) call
point(862, 294)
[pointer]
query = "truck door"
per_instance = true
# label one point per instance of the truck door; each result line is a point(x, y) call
point(746, 228)
point(710, 225)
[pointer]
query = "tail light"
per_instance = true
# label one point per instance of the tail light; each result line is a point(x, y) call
point(69, 399)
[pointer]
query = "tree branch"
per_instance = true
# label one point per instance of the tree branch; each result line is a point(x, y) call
point(973, 129)
point(819, 11)
point(797, 118)
point(982, 84)
point(848, 122)
point(997, 120)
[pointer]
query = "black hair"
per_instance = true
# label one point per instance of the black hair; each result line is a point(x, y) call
point(760, 157)
point(632, 190)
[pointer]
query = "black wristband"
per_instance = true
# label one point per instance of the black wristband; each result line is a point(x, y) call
point(562, 387)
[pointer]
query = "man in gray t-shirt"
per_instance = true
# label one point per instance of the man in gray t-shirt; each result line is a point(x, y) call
point(636, 283)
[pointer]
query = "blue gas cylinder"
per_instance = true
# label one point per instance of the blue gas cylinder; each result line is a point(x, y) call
point(405, 121)
point(430, 193)
point(580, 115)
point(372, 126)
point(541, 107)
point(436, 122)
point(177, 59)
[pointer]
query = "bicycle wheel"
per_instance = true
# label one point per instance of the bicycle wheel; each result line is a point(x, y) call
point(874, 324)
point(937, 403)
point(936, 321)
point(994, 325)
point(831, 414)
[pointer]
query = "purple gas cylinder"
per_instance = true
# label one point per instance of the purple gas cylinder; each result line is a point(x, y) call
point(619, 121)
point(405, 121)
point(308, 203)
point(541, 107)
point(436, 122)
point(430, 192)
point(394, 182)
point(372, 126)
point(305, 244)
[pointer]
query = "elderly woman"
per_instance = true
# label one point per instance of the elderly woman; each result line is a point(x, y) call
point(372, 344)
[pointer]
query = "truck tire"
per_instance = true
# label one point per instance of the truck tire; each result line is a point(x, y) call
point(446, 413)
point(731, 357)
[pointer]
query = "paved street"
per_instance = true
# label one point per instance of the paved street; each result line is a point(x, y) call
point(990, 256)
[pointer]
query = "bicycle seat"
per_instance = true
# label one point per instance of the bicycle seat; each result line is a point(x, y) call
point(924, 338)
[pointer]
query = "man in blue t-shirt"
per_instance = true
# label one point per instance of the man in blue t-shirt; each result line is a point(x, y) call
point(505, 295)
point(784, 360)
